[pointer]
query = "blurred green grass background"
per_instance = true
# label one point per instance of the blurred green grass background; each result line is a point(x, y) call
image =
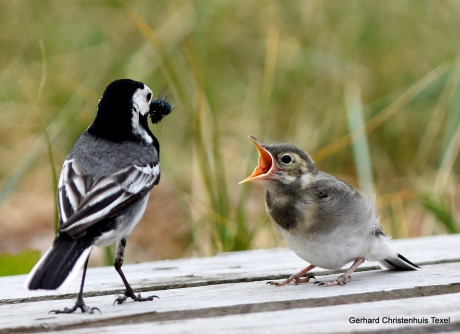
point(369, 88)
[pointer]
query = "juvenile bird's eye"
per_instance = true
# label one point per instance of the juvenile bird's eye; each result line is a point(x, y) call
point(286, 159)
point(149, 96)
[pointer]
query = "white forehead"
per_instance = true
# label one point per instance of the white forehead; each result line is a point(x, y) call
point(141, 106)
point(140, 100)
point(142, 91)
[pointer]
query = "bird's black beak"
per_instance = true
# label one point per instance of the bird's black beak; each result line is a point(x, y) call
point(266, 165)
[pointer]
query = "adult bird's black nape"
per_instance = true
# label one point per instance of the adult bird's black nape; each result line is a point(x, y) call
point(103, 188)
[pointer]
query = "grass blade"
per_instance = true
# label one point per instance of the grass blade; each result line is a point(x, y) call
point(359, 144)
point(384, 115)
point(55, 127)
point(441, 212)
point(46, 134)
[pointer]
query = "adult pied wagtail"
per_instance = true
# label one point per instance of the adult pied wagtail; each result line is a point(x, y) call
point(104, 187)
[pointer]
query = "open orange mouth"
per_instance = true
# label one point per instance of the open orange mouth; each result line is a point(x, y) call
point(265, 163)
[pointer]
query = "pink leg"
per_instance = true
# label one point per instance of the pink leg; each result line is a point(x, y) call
point(297, 278)
point(345, 278)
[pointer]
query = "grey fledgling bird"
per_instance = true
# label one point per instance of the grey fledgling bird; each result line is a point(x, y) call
point(325, 221)
point(104, 187)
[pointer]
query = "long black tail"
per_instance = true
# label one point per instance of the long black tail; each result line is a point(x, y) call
point(399, 262)
point(59, 263)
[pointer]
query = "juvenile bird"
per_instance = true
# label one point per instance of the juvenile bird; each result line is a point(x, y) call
point(104, 187)
point(325, 221)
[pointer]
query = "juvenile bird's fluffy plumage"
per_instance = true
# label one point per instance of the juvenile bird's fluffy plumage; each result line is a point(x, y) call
point(103, 188)
point(324, 220)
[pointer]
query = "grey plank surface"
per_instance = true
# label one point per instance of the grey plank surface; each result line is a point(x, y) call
point(229, 291)
point(226, 267)
point(236, 298)
point(418, 313)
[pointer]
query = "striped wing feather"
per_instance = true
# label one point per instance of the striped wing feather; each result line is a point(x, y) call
point(84, 201)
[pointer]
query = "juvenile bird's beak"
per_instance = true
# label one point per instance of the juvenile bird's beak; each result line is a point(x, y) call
point(266, 164)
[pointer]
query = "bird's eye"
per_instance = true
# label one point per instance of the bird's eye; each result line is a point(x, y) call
point(286, 159)
point(149, 96)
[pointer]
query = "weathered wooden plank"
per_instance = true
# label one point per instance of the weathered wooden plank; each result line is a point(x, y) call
point(226, 267)
point(241, 298)
point(421, 314)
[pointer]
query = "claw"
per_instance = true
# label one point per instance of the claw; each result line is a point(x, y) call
point(341, 280)
point(78, 305)
point(296, 278)
point(120, 299)
point(276, 283)
point(149, 298)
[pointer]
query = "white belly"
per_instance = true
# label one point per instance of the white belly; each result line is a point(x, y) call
point(124, 229)
point(334, 250)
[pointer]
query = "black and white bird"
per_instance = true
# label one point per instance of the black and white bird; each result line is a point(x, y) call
point(325, 221)
point(104, 187)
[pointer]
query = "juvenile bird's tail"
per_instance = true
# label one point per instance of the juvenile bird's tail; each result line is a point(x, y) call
point(398, 262)
point(60, 263)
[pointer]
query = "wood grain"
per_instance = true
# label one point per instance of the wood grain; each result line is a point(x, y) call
point(229, 290)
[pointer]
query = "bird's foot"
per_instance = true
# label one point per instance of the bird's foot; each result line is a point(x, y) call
point(341, 280)
point(80, 304)
point(296, 278)
point(130, 293)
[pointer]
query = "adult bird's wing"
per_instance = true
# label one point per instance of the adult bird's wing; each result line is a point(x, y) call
point(84, 201)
